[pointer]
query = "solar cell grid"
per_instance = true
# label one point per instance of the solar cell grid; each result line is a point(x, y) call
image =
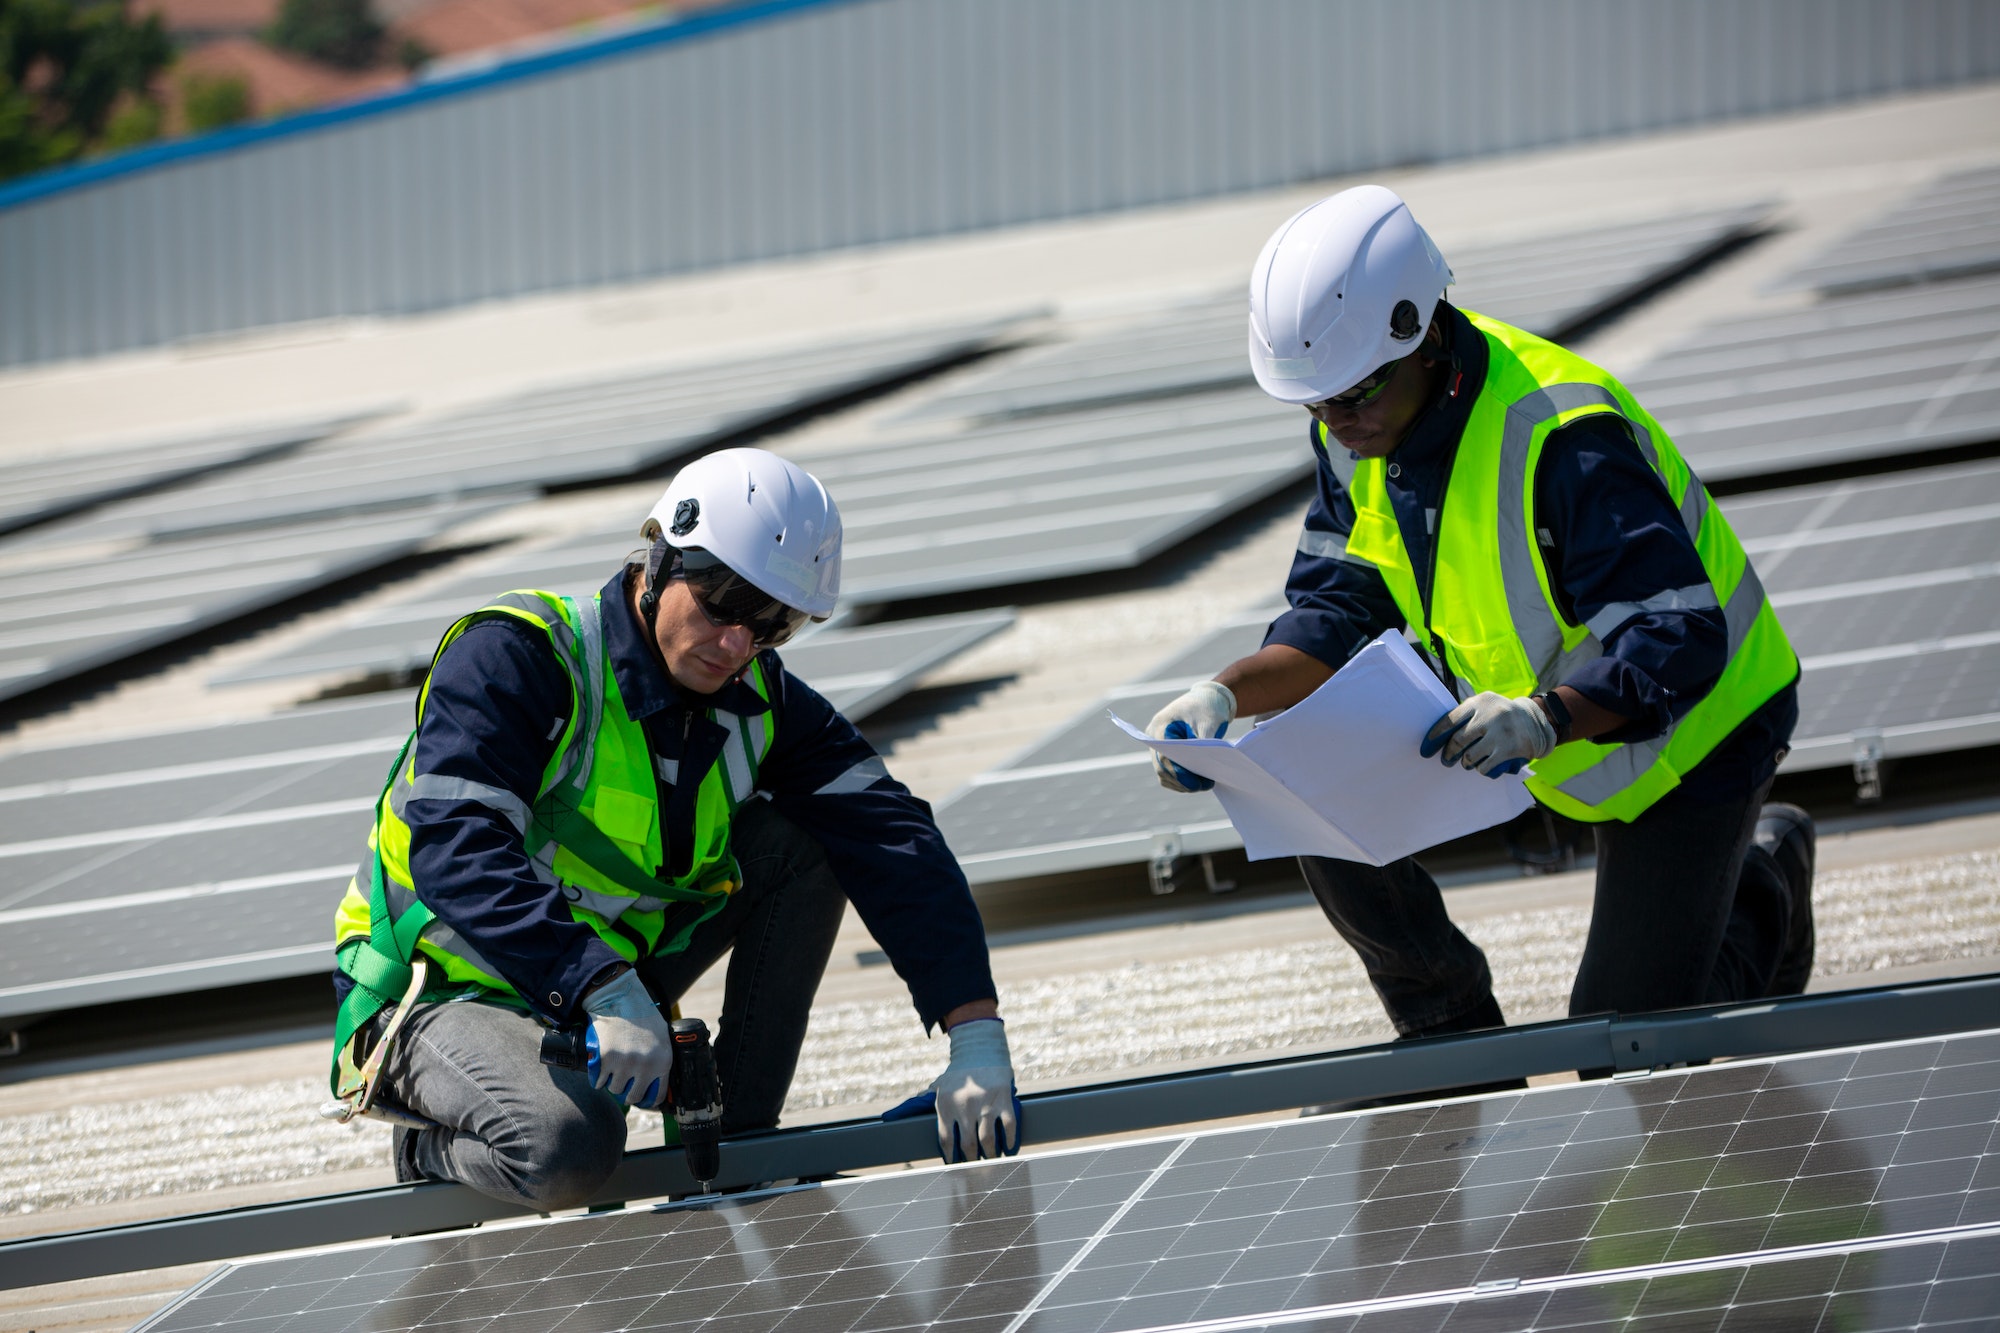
point(608, 427)
point(65, 618)
point(1949, 228)
point(1846, 1175)
point(1865, 376)
point(1545, 284)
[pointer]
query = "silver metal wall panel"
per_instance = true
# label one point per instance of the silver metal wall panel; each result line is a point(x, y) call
point(795, 128)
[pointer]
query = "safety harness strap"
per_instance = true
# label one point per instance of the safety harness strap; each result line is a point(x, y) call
point(380, 965)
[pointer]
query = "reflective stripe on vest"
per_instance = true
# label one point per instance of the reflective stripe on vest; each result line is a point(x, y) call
point(600, 782)
point(1493, 611)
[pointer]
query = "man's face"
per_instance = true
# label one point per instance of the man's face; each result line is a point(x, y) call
point(1373, 429)
point(700, 656)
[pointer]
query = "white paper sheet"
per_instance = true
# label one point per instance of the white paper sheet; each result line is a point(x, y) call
point(1339, 774)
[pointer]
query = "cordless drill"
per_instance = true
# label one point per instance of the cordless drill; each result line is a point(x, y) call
point(694, 1092)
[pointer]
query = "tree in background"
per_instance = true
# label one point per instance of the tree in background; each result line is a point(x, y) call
point(338, 32)
point(213, 101)
point(65, 67)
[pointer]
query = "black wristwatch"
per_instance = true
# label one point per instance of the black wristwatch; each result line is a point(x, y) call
point(1558, 713)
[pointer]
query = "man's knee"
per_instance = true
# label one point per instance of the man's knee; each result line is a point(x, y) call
point(765, 843)
point(567, 1154)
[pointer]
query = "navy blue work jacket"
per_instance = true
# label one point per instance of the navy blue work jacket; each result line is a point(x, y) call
point(1610, 533)
point(497, 700)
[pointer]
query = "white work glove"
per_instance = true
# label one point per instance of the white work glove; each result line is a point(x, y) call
point(978, 1114)
point(631, 1048)
point(1206, 711)
point(1491, 733)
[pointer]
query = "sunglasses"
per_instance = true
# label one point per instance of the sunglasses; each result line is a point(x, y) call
point(727, 598)
point(1362, 393)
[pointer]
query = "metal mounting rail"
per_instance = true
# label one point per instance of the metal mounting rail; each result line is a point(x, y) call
point(1436, 1064)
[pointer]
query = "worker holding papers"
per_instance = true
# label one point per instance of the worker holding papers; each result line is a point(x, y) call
point(1385, 800)
point(1592, 637)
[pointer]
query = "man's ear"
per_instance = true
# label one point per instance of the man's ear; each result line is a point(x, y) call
point(1432, 349)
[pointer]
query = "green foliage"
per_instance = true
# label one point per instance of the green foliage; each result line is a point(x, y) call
point(411, 53)
point(338, 32)
point(212, 101)
point(64, 66)
point(137, 120)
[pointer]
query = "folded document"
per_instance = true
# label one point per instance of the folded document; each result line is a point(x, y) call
point(1338, 774)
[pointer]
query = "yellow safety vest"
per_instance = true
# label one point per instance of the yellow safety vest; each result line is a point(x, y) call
point(1492, 612)
point(593, 831)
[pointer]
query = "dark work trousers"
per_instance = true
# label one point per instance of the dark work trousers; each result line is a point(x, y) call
point(519, 1130)
point(1687, 912)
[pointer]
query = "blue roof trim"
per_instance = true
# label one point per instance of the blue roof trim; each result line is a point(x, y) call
point(61, 180)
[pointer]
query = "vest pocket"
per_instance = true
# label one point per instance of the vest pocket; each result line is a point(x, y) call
point(623, 815)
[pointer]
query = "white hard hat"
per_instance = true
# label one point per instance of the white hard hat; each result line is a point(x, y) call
point(767, 519)
point(1345, 287)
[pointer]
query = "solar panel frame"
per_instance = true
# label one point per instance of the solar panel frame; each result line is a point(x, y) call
point(71, 616)
point(1480, 1204)
point(1868, 376)
point(39, 490)
point(1546, 284)
point(223, 860)
point(1948, 229)
point(602, 429)
point(1879, 582)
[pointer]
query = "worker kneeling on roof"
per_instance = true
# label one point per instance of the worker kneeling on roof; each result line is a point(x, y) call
point(1517, 513)
point(602, 797)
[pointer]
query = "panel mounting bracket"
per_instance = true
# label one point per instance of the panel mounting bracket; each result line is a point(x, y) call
point(1867, 765)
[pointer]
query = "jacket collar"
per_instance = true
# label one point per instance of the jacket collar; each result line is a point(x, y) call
point(1433, 437)
point(642, 682)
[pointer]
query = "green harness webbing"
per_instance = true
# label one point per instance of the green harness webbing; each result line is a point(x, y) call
point(380, 965)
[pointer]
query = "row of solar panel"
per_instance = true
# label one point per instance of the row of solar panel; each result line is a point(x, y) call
point(1888, 586)
point(1108, 486)
point(223, 848)
point(1005, 503)
point(1852, 1189)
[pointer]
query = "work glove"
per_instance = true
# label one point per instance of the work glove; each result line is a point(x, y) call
point(631, 1049)
point(1204, 711)
point(978, 1112)
point(1491, 733)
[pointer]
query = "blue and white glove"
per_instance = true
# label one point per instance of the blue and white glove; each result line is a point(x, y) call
point(1491, 733)
point(629, 1042)
point(978, 1112)
point(1206, 711)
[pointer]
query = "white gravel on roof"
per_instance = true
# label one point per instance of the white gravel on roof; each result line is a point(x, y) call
point(1069, 1026)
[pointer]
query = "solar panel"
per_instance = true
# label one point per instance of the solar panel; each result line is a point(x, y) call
point(1889, 588)
point(223, 849)
point(1546, 284)
point(1858, 1183)
point(1084, 796)
point(67, 610)
point(572, 433)
point(1856, 377)
point(1948, 229)
point(1048, 497)
point(37, 490)
point(851, 667)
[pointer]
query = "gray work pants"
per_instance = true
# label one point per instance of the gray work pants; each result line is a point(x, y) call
point(519, 1130)
point(1687, 911)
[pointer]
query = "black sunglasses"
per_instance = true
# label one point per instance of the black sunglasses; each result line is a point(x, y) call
point(1364, 392)
point(727, 598)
